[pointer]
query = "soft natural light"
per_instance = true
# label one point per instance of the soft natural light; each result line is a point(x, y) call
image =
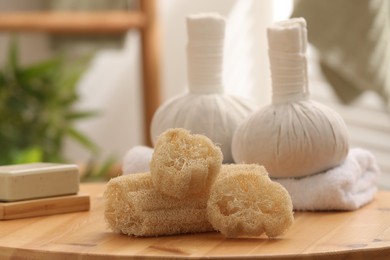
point(281, 9)
point(246, 61)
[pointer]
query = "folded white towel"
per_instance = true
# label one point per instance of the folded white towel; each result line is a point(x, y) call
point(346, 187)
point(137, 160)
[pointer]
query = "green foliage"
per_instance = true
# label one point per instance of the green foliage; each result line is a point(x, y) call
point(37, 110)
point(95, 172)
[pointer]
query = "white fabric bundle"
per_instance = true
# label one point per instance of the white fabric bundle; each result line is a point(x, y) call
point(346, 187)
point(205, 109)
point(293, 136)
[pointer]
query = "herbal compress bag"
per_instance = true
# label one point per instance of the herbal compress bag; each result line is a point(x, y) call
point(205, 109)
point(293, 136)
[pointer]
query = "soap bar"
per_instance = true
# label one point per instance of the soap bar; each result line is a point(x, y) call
point(37, 180)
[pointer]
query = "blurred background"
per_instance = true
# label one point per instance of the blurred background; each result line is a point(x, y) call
point(96, 96)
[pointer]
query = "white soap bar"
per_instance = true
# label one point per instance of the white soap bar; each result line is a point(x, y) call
point(37, 180)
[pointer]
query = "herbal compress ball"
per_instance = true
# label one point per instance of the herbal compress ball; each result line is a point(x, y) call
point(205, 108)
point(293, 136)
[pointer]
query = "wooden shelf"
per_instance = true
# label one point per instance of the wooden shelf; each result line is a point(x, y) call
point(109, 22)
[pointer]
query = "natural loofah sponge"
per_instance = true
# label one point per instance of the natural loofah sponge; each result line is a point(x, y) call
point(184, 164)
point(133, 207)
point(245, 202)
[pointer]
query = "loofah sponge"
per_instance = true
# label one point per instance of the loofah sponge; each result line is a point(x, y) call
point(184, 164)
point(245, 202)
point(133, 207)
point(187, 191)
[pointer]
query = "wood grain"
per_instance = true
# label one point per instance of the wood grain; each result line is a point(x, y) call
point(361, 234)
point(110, 22)
point(151, 67)
point(44, 206)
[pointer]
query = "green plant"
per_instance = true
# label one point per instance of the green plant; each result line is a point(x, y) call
point(37, 109)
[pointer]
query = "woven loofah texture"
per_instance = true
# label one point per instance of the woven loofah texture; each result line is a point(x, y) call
point(184, 164)
point(245, 202)
point(188, 190)
point(133, 207)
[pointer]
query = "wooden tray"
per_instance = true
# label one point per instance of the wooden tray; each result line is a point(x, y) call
point(361, 234)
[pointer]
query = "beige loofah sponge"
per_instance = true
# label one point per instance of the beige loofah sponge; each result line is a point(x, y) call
point(245, 202)
point(184, 164)
point(133, 207)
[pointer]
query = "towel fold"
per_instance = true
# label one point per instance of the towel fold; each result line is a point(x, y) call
point(137, 160)
point(346, 187)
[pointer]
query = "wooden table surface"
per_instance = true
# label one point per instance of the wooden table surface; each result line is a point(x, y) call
point(362, 234)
